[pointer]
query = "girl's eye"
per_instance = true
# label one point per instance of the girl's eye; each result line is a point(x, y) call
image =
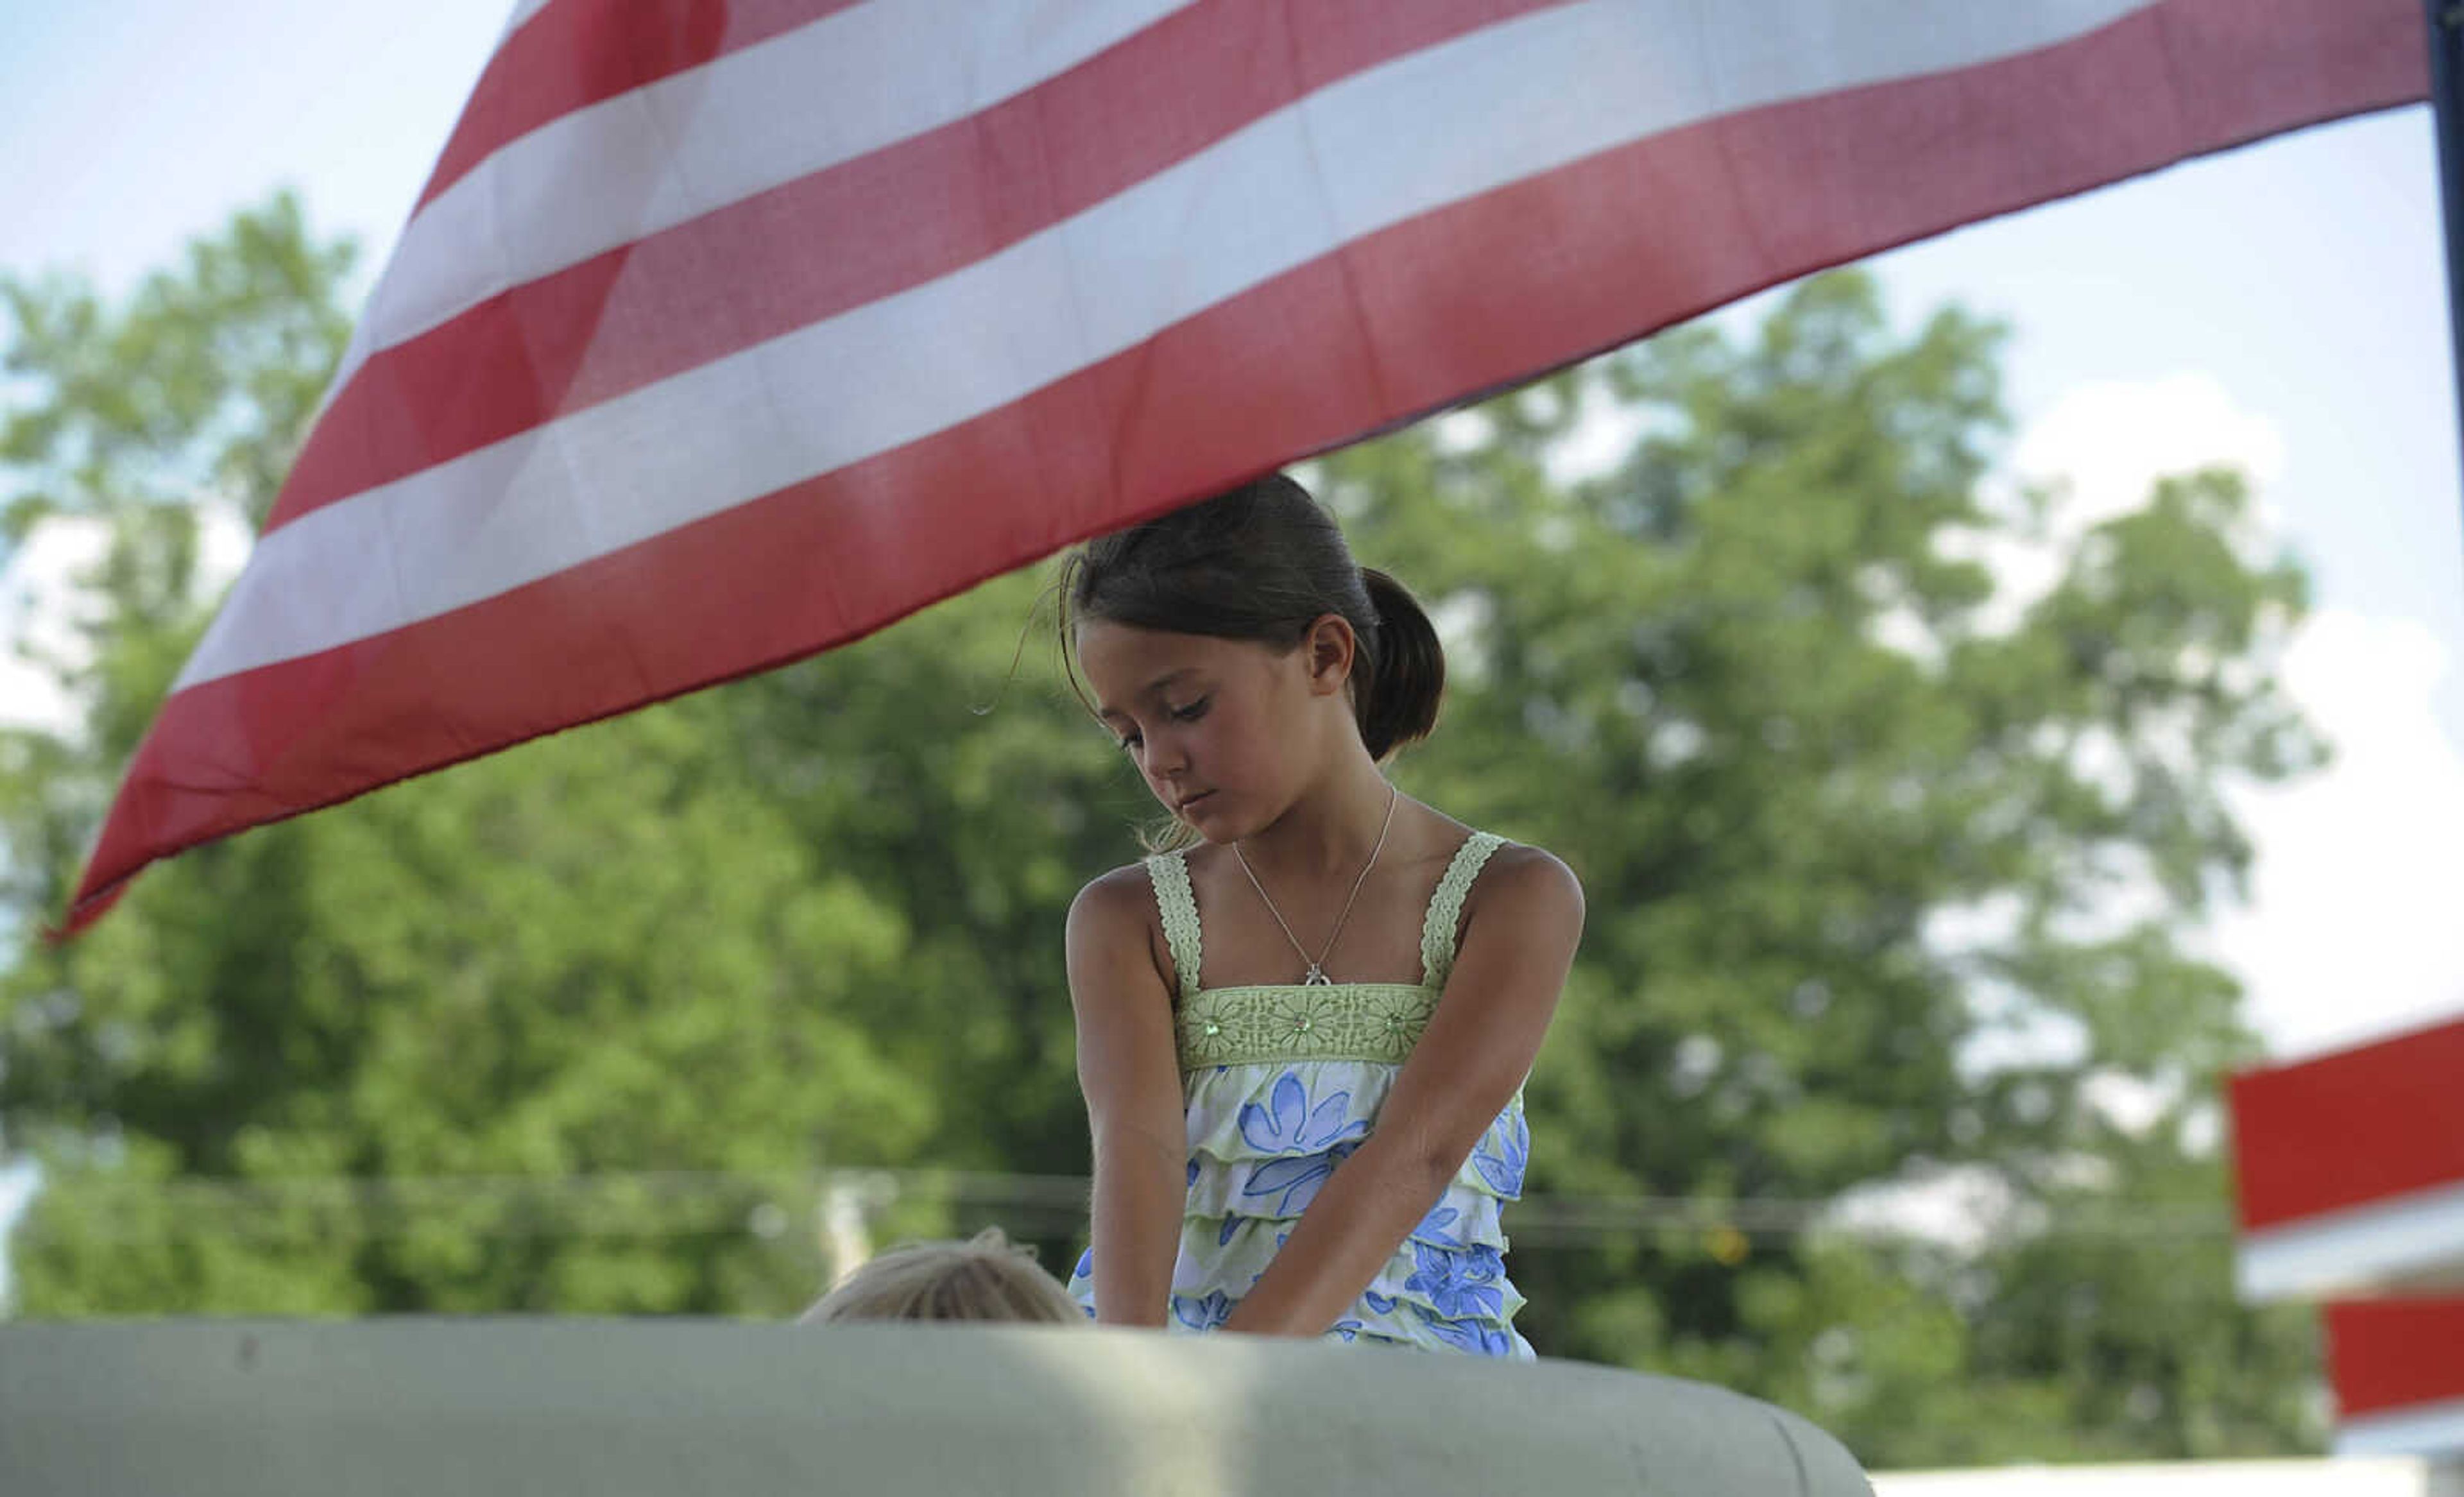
point(1129, 743)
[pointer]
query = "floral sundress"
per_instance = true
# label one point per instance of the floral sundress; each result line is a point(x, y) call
point(1280, 1084)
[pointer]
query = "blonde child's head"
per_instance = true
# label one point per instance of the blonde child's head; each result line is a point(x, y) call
point(983, 1278)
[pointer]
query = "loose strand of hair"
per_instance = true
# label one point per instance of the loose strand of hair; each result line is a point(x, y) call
point(1056, 592)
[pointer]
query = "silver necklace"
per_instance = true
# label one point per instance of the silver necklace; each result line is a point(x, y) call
point(1317, 975)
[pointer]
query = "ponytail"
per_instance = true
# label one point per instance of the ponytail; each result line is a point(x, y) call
point(1398, 702)
point(1263, 561)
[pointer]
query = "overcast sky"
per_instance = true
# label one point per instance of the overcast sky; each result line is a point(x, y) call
point(2279, 307)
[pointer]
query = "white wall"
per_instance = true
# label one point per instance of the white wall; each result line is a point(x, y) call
point(2394, 1477)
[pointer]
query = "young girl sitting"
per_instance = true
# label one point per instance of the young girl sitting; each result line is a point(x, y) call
point(1304, 1027)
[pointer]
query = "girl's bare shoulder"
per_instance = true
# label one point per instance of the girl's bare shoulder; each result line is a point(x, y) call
point(1122, 899)
point(1118, 912)
point(1526, 878)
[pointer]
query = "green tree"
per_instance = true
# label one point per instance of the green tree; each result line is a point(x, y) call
point(571, 1027)
point(1748, 686)
point(605, 953)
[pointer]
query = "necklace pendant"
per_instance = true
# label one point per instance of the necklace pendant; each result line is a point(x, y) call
point(1317, 977)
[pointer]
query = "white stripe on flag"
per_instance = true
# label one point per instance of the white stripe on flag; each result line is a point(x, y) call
point(1441, 125)
point(652, 157)
point(1786, 49)
point(2354, 1248)
point(2423, 1429)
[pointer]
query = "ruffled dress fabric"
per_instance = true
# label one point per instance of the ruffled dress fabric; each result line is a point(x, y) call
point(1280, 1085)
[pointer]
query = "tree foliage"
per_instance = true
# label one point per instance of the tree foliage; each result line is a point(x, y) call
point(1890, 867)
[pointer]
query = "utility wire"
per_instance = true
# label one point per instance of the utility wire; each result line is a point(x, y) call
point(656, 1204)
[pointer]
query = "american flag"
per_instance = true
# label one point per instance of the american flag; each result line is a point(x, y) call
point(727, 331)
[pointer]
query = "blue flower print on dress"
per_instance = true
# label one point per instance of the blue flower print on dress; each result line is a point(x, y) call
point(1458, 1281)
point(1297, 1179)
point(1289, 1125)
point(1434, 1227)
point(1502, 1169)
point(1311, 1140)
point(1202, 1314)
point(1348, 1330)
point(1086, 1268)
point(1378, 1302)
point(1193, 1169)
point(1469, 1335)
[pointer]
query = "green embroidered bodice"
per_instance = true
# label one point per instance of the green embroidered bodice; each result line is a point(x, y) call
point(1289, 1021)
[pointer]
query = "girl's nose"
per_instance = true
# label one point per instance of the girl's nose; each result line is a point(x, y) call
point(1166, 776)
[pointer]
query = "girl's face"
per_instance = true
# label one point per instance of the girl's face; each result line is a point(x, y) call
point(1226, 731)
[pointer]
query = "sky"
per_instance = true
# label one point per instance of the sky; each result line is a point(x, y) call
point(2279, 307)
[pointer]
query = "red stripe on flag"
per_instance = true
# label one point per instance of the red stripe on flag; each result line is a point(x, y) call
point(1480, 293)
point(578, 53)
point(761, 584)
point(2358, 1126)
point(2395, 1353)
point(927, 207)
point(2246, 69)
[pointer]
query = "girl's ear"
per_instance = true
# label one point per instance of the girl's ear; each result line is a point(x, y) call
point(1329, 647)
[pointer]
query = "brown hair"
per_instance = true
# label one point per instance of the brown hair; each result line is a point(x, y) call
point(1263, 561)
point(983, 1278)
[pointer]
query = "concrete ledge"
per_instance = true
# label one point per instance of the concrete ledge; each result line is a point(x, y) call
point(427, 1408)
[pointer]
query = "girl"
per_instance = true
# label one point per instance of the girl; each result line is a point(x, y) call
point(1304, 1027)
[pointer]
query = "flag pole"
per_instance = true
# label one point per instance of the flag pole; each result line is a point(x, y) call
point(2447, 119)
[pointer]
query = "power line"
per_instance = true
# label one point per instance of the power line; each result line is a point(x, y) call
point(658, 1204)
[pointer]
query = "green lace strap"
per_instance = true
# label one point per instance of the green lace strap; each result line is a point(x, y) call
point(1445, 907)
point(1177, 903)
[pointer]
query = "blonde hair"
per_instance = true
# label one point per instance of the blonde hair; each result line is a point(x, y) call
point(984, 1278)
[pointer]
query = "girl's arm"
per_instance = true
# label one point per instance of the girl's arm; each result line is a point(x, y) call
point(1518, 945)
point(1130, 1070)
